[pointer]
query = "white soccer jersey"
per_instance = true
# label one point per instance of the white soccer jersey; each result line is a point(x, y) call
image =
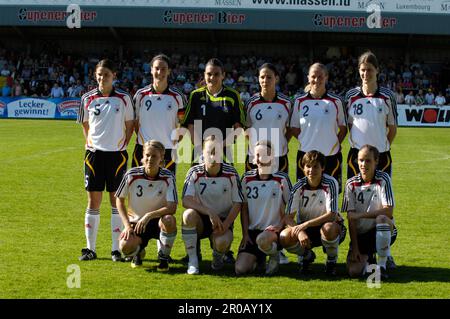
point(267, 120)
point(218, 193)
point(146, 194)
point(265, 197)
point(318, 120)
point(106, 116)
point(158, 114)
point(310, 204)
point(369, 117)
point(364, 197)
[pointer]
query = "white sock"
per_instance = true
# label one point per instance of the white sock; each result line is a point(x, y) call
point(272, 251)
point(383, 241)
point(189, 236)
point(296, 249)
point(116, 228)
point(91, 223)
point(331, 248)
point(166, 243)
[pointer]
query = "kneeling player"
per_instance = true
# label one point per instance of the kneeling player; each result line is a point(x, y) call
point(152, 202)
point(315, 199)
point(369, 202)
point(266, 194)
point(212, 197)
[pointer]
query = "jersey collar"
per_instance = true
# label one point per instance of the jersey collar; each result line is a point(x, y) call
point(275, 98)
point(218, 174)
point(99, 93)
point(318, 98)
point(153, 90)
point(152, 178)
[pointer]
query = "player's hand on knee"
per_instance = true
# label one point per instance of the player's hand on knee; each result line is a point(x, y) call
point(304, 240)
point(142, 223)
point(127, 234)
point(273, 228)
point(245, 240)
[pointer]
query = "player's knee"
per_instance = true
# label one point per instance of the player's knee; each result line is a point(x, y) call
point(355, 270)
point(381, 219)
point(222, 243)
point(190, 218)
point(241, 269)
point(285, 238)
point(329, 231)
point(263, 240)
point(168, 223)
point(127, 247)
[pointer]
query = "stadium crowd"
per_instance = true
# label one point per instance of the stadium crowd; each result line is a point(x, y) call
point(55, 74)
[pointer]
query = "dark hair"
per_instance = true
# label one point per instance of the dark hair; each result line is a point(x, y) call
point(215, 62)
point(371, 149)
point(368, 57)
point(312, 157)
point(107, 63)
point(269, 66)
point(161, 57)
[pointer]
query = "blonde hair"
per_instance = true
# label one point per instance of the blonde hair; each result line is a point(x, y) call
point(158, 146)
point(313, 66)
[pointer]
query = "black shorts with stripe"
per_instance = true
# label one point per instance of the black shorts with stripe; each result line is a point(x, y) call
point(384, 163)
point(138, 153)
point(253, 248)
point(316, 238)
point(283, 164)
point(333, 167)
point(367, 242)
point(102, 168)
point(151, 231)
point(207, 226)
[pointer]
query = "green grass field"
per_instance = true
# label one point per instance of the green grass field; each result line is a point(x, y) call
point(42, 204)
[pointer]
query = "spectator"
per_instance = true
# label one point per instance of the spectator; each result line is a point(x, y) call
point(440, 99)
point(399, 97)
point(17, 89)
point(6, 90)
point(420, 98)
point(245, 96)
point(409, 99)
point(57, 91)
point(45, 91)
point(429, 97)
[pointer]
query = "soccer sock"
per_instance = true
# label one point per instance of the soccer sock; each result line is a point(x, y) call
point(116, 228)
point(166, 243)
point(296, 249)
point(383, 240)
point(91, 223)
point(331, 248)
point(272, 251)
point(189, 236)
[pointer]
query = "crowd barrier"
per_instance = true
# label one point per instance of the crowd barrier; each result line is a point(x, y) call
point(67, 108)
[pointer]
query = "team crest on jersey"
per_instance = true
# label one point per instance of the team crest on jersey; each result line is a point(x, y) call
point(159, 193)
point(326, 110)
point(274, 194)
point(380, 110)
point(117, 109)
point(279, 116)
point(225, 190)
point(169, 107)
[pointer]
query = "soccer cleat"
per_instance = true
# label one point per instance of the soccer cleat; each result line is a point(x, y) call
point(383, 273)
point(283, 258)
point(390, 263)
point(218, 261)
point(163, 265)
point(116, 256)
point(228, 258)
point(163, 262)
point(137, 260)
point(87, 254)
point(330, 268)
point(273, 265)
point(128, 258)
point(185, 259)
point(193, 270)
point(308, 259)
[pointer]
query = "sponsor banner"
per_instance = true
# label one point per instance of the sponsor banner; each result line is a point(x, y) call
point(39, 108)
point(396, 6)
point(425, 115)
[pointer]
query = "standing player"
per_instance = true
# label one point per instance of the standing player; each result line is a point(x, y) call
point(318, 121)
point(315, 199)
point(212, 197)
point(158, 109)
point(372, 119)
point(107, 116)
point(372, 116)
point(268, 111)
point(152, 203)
point(369, 203)
point(218, 108)
point(266, 195)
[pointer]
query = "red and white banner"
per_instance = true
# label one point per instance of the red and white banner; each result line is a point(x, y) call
point(425, 115)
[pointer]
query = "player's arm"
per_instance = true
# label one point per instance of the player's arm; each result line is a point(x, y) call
point(391, 133)
point(86, 130)
point(129, 128)
point(289, 219)
point(235, 209)
point(169, 209)
point(190, 202)
point(244, 224)
point(353, 237)
point(292, 132)
point(387, 211)
point(342, 133)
